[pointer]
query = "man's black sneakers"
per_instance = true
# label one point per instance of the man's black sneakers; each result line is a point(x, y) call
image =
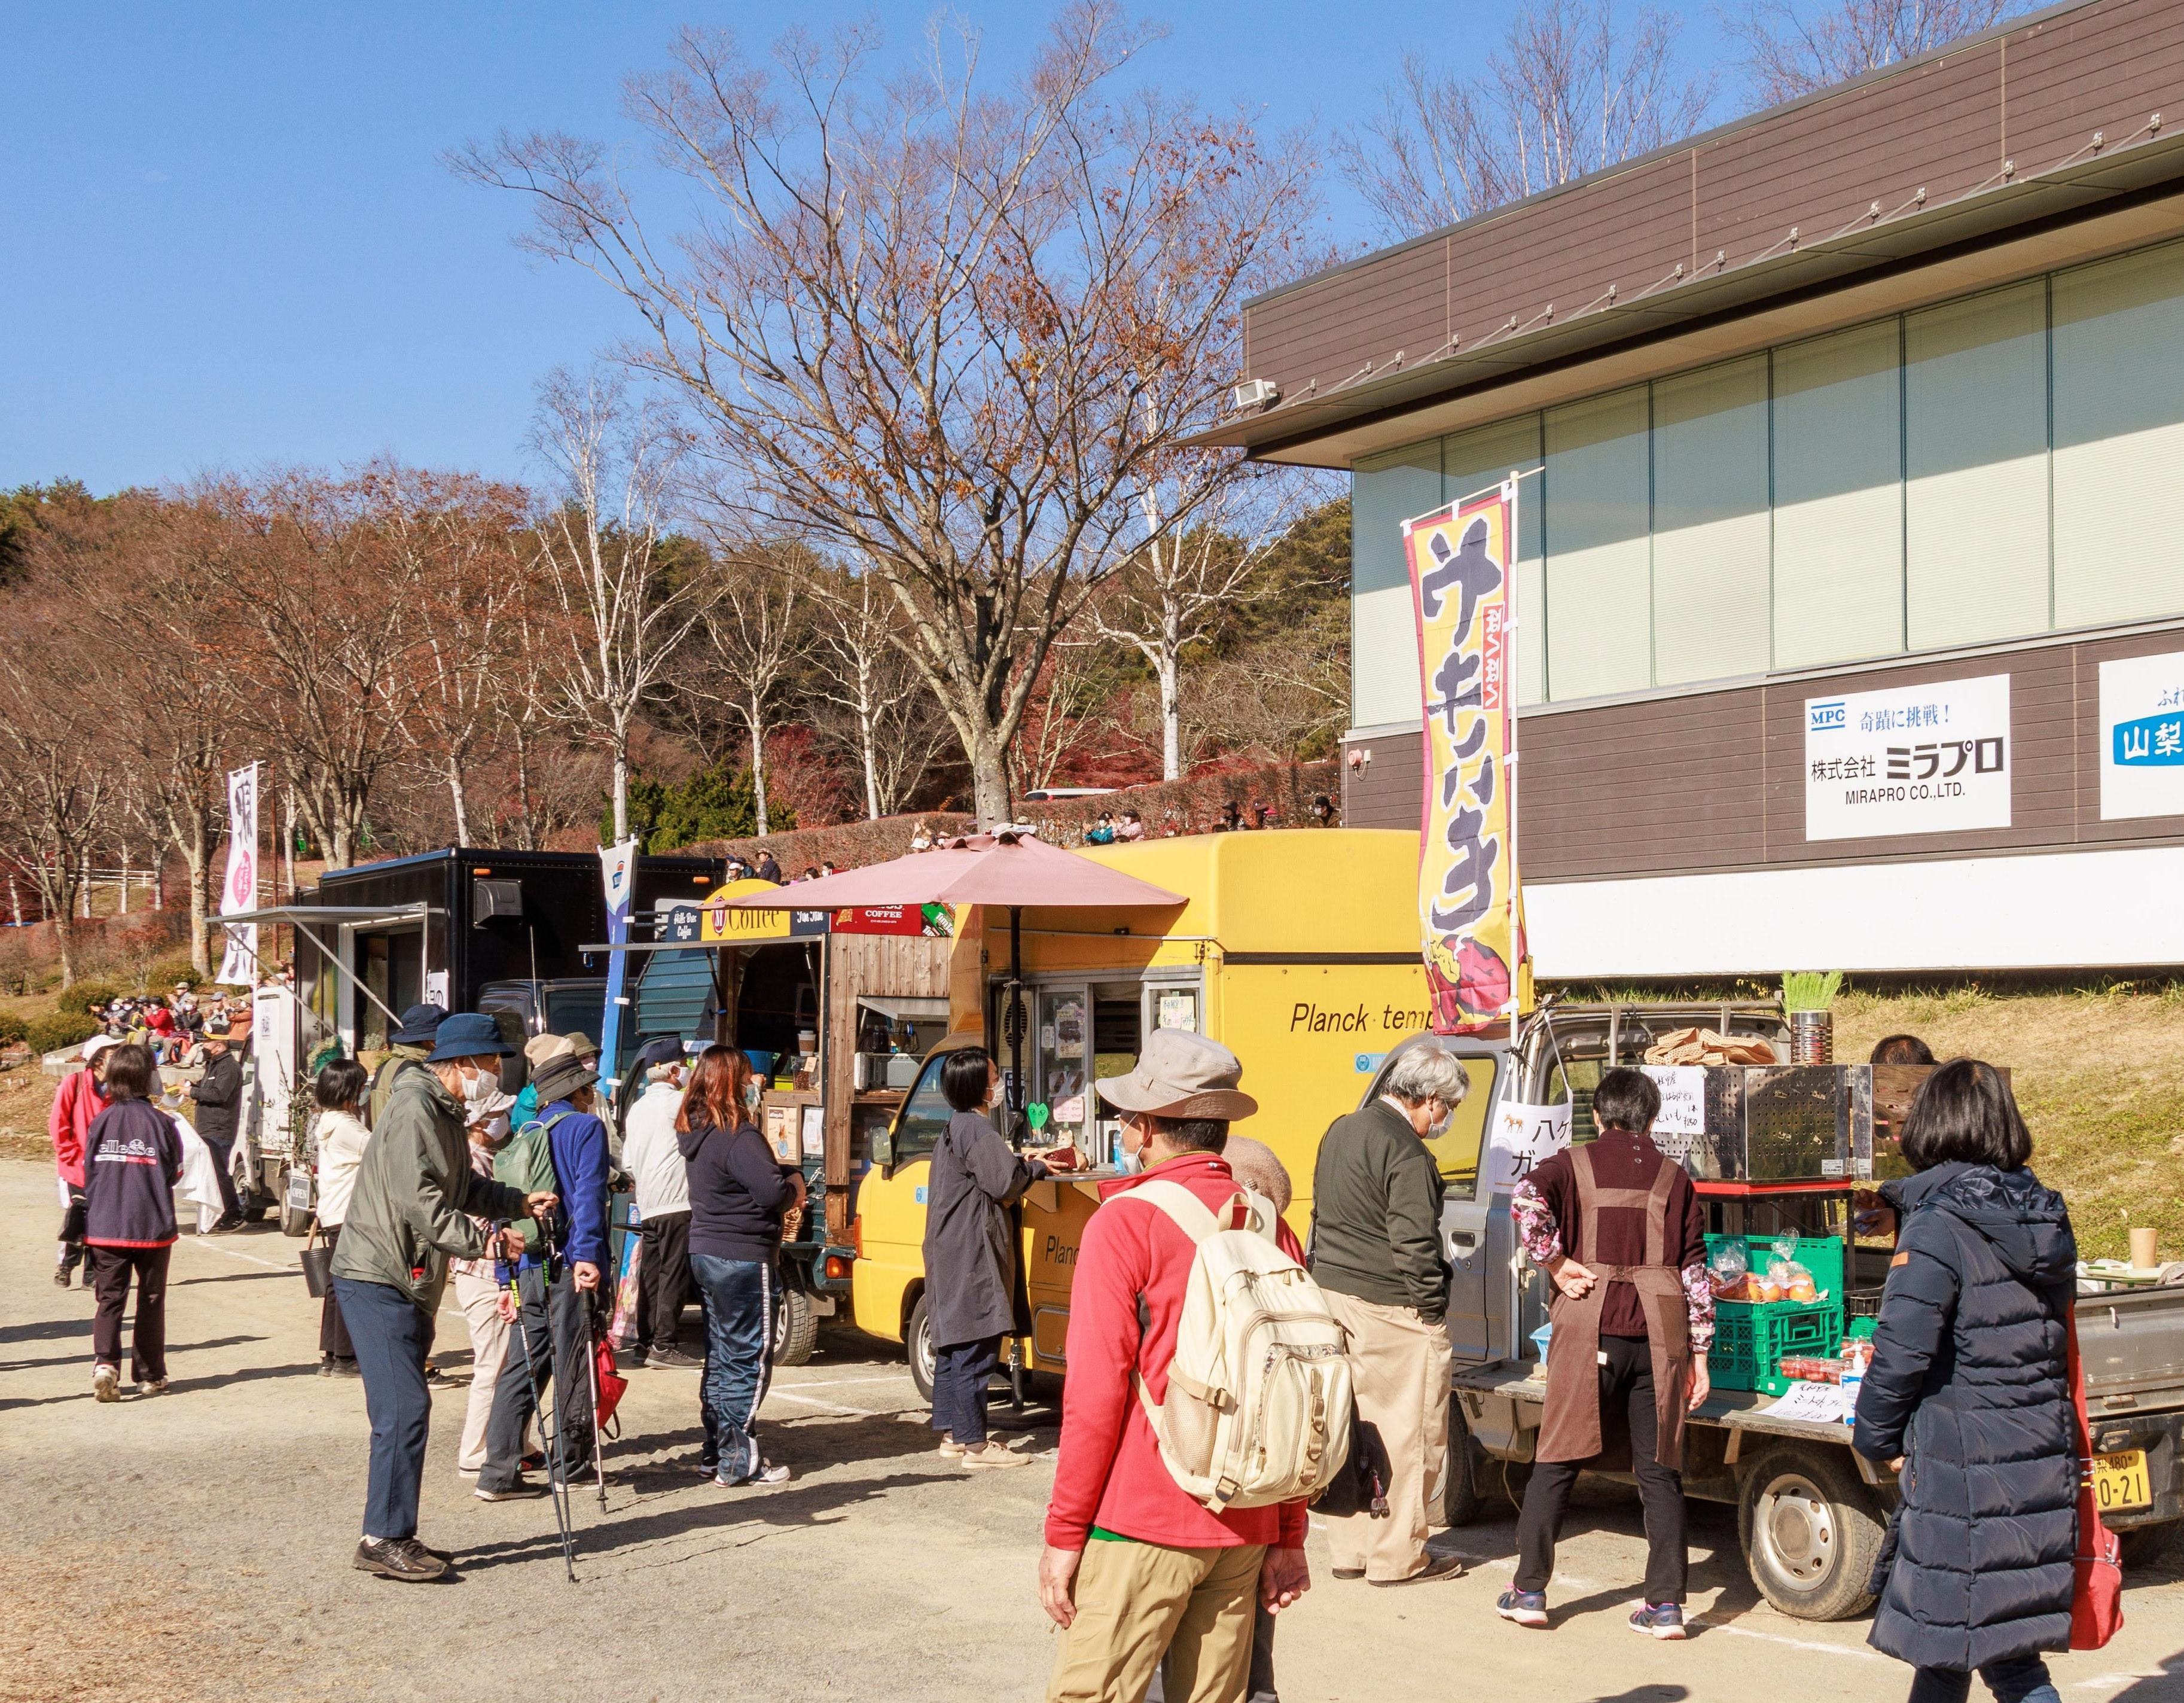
point(399, 1557)
point(674, 1359)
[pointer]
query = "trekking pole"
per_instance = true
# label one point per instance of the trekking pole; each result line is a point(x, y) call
point(599, 1433)
point(531, 1371)
point(557, 1453)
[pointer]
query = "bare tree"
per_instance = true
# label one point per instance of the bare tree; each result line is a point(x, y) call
point(325, 623)
point(453, 544)
point(1070, 720)
point(886, 721)
point(59, 789)
point(929, 328)
point(623, 612)
point(1575, 87)
point(1191, 569)
point(1792, 49)
point(754, 633)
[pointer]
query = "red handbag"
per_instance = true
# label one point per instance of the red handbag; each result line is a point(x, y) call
point(2097, 1591)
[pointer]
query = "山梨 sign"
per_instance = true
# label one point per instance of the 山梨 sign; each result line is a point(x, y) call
point(2142, 737)
point(1932, 759)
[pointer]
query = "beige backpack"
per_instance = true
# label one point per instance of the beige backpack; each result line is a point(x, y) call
point(1259, 1393)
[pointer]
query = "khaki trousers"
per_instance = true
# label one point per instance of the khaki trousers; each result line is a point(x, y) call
point(480, 1300)
point(1139, 1602)
point(1400, 1367)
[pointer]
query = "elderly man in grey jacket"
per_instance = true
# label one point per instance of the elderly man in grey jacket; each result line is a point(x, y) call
point(1377, 1254)
point(413, 1206)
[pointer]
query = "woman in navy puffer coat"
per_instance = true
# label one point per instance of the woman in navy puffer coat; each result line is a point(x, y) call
point(1969, 1388)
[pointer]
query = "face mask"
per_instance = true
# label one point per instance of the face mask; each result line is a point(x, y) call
point(1130, 1164)
point(479, 1089)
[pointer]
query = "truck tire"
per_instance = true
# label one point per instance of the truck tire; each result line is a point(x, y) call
point(1462, 1506)
point(795, 1328)
point(1809, 1531)
point(2144, 1545)
point(917, 1339)
point(293, 1222)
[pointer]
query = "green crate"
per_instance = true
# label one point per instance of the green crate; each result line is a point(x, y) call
point(1821, 1255)
point(1751, 1337)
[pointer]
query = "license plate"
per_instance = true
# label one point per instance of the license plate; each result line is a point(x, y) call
point(2119, 1481)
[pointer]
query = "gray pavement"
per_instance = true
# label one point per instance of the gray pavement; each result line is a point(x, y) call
point(198, 1546)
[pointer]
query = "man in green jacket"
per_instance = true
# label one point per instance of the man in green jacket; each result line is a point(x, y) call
point(1377, 1254)
point(414, 1205)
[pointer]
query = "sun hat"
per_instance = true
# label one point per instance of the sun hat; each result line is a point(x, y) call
point(1180, 1075)
point(98, 1044)
point(420, 1026)
point(467, 1035)
point(541, 1047)
point(220, 1028)
point(562, 1076)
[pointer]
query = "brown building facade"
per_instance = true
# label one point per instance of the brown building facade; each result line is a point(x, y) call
point(1850, 599)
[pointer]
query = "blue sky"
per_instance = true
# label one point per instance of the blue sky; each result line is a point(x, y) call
point(231, 242)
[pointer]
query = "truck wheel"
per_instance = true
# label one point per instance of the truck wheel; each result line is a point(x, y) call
point(795, 1328)
point(293, 1222)
point(2144, 1545)
point(1809, 1532)
point(1461, 1482)
point(917, 1338)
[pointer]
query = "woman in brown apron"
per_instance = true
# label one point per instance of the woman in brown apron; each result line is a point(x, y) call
point(1623, 1365)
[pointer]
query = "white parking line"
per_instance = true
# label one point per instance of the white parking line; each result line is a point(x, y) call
point(210, 1247)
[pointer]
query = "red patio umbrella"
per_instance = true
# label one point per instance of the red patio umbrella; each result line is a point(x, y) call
point(1002, 869)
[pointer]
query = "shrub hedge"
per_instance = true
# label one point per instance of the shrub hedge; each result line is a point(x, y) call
point(78, 999)
point(61, 1028)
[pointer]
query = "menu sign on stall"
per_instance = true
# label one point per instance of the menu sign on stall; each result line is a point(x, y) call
point(1931, 759)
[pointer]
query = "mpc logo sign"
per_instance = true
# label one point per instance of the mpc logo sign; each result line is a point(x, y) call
point(1830, 718)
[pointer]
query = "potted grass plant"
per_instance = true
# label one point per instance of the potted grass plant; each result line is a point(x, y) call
point(1809, 998)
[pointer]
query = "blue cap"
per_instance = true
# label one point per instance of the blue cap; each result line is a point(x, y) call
point(420, 1024)
point(467, 1035)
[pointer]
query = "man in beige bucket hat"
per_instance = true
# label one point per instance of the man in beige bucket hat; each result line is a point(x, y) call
point(1134, 1570)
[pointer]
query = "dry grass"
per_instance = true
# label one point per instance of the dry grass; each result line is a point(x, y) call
point(2099, 1073)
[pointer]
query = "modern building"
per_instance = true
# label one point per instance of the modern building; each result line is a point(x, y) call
point(1850, 609)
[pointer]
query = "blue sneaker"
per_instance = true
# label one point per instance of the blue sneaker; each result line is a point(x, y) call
point(1664, 1620)
point(1526, 1608)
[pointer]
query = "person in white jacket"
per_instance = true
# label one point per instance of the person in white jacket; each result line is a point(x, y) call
point(338, 1139)
point(654, 1162)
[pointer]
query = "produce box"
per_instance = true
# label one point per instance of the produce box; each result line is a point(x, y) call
point(1752, 1337)
point(1821, 1255)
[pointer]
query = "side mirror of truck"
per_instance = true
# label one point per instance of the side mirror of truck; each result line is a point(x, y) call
point(884, 1147)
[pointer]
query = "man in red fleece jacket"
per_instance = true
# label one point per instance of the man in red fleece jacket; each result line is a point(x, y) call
point(1134, 1569)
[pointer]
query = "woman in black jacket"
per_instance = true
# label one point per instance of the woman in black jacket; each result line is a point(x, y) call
point(1969, 1393)
point(133, 1158)
point(740, 1195)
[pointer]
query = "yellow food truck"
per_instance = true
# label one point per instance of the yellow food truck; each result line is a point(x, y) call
point(1297, 949)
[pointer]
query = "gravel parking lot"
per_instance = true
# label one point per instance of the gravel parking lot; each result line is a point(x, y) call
point(198, 1546)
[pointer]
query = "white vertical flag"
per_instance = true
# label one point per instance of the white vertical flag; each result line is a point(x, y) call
point(238, 963)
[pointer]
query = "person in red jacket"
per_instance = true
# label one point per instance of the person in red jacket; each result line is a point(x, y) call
point(80, 1097)
point(1134, 1570)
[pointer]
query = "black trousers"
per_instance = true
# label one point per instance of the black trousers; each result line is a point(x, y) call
point(72, 1231)
point(960, 1373)
point(223, 1152)
point(1626, 1405)
point(333, 1335)
point(663, 1278)
point(554, 1332)
point(111, 1269)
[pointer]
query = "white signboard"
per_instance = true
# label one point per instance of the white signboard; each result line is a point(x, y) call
point(1816, 1403)
point(238, 962)
point(436, 988)
point(1682, 1107)
point(1523, 1137)
point(1911, 760)
point(2142, 737)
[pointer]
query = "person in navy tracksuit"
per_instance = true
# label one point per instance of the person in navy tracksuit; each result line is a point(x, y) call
point(132, 1158)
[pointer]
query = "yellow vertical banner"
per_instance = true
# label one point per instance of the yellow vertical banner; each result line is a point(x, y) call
point(1461, 566)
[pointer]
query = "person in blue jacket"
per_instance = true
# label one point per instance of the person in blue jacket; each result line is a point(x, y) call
point(557, 1285)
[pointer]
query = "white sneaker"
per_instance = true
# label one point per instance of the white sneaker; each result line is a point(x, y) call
point(994, 1453)
point(106, 1383)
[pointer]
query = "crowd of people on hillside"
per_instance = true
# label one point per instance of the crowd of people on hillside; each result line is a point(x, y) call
point(1160, 1587)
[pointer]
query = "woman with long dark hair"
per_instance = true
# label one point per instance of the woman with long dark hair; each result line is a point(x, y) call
point(1969, 1395)
point(337, 1141)
point(740, 1195)
point(133, 1158)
